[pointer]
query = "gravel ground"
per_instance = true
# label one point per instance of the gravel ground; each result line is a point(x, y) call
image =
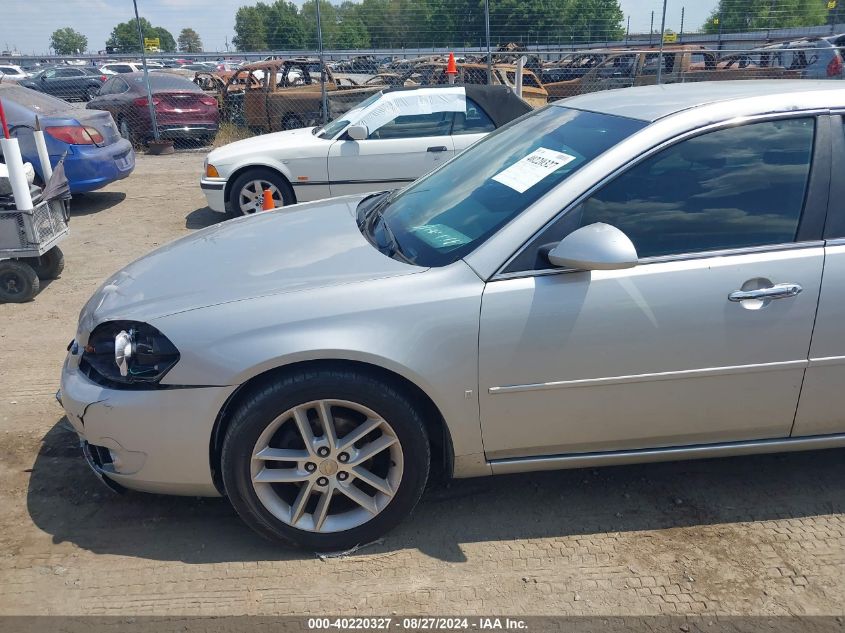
point(754, 536)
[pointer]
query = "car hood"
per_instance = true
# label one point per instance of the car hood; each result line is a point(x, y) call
point(289, 250)
point(299, 143)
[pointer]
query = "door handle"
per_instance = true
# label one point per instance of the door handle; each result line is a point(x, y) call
point(437, 148)
point(779, 291)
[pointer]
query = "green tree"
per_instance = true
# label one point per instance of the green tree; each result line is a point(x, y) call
point(189, 41)
point(593, 20)
point(747, 15)
point(166, 41)
point(251, 29)
point(124, 36)
point(285, 28)
point(66, 41)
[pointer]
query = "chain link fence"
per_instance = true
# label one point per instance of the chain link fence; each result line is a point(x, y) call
point(305, 66)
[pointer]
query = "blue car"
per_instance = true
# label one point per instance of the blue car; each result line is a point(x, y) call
point(96, 153)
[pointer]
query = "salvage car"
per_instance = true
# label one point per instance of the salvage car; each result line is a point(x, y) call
point(183, 111)
point(387, 141)
point(607, 280)
point(80, 83)
point(428, 74)
point(285, 94)
point(619, 68)
point(93, 151)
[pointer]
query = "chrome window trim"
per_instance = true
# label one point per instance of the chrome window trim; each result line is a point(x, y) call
point(741, 120)
point(661, 259)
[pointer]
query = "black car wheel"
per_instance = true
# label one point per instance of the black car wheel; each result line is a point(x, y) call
point(246, 194)
point(325, 459)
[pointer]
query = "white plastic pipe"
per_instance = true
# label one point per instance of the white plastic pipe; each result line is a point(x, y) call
point(43, 156)
point(17, 175)
point(520, 64)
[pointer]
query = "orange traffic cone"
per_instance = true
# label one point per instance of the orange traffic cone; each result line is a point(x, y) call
point(267, 203)
point(451, 68)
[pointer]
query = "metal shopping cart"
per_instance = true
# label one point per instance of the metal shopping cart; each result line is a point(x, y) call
point(29, 240)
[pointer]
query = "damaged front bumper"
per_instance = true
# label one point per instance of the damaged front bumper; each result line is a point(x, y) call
point(153, 440)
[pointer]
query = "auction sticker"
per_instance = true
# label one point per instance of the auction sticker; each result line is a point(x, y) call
point(527, 172)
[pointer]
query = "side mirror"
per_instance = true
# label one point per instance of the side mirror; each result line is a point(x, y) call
point(597, 246)
point(43, 78)
point(358, 132)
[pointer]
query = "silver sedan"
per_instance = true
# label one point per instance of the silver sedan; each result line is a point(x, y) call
point(642, 275)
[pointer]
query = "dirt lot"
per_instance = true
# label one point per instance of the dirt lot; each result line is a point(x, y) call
point(760, 535)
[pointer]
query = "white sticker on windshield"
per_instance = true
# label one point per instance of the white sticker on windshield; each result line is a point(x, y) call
point(527, 172)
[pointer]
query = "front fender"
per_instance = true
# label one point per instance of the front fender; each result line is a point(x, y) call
point(423, 327)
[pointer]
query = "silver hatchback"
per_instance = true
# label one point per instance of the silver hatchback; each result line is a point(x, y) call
point(645, 275)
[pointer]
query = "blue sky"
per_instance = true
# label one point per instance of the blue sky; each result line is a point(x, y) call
point(27, 24)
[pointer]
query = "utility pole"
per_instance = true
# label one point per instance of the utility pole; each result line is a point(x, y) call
point(627, 30)
point(681, 35)
point(150, 103)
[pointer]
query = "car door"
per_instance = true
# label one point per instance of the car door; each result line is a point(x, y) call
point(820, 410)
point(67, 83)
point(393, 155)
point(470, 126)
point(704, 341)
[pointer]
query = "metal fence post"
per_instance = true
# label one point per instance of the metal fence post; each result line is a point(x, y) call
point(323, 95)
point(662, 37)
point(651, 29)
point(150, 103)
point(487, 32)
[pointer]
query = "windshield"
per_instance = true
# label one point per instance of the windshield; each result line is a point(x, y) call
point(450, 212)
point(330, 130)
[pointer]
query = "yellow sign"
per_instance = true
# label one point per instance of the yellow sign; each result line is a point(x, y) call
point(715, 20)
point(152, 43)
point(831, 4)
point(670, 38)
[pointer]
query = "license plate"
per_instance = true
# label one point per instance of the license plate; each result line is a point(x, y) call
point(122, 162)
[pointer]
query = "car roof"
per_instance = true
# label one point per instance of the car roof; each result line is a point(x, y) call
point(650, 103)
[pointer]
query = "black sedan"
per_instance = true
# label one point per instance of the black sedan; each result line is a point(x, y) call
point(67, 82)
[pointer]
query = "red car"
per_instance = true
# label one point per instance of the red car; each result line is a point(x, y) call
point(182, 109)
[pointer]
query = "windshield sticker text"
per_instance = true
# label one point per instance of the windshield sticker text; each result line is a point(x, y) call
point(528, 171)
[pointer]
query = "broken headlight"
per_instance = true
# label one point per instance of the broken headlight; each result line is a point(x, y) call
point(128, 353)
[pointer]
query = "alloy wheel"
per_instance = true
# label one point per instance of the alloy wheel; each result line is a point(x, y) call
point(327, 466)
point(251, 196)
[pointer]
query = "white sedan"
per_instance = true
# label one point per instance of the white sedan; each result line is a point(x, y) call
point(385, 142)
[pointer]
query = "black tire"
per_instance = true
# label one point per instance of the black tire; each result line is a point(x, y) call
point(18, 281)
point(259, 173)
point(50, 265)
point(266, 402)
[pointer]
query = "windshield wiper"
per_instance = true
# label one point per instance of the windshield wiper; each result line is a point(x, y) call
point(371, 218)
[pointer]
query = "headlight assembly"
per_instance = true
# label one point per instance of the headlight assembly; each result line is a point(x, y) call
point(128, 353)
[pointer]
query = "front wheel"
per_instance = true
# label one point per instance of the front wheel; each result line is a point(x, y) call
point(247, 193)
point(325, 459)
